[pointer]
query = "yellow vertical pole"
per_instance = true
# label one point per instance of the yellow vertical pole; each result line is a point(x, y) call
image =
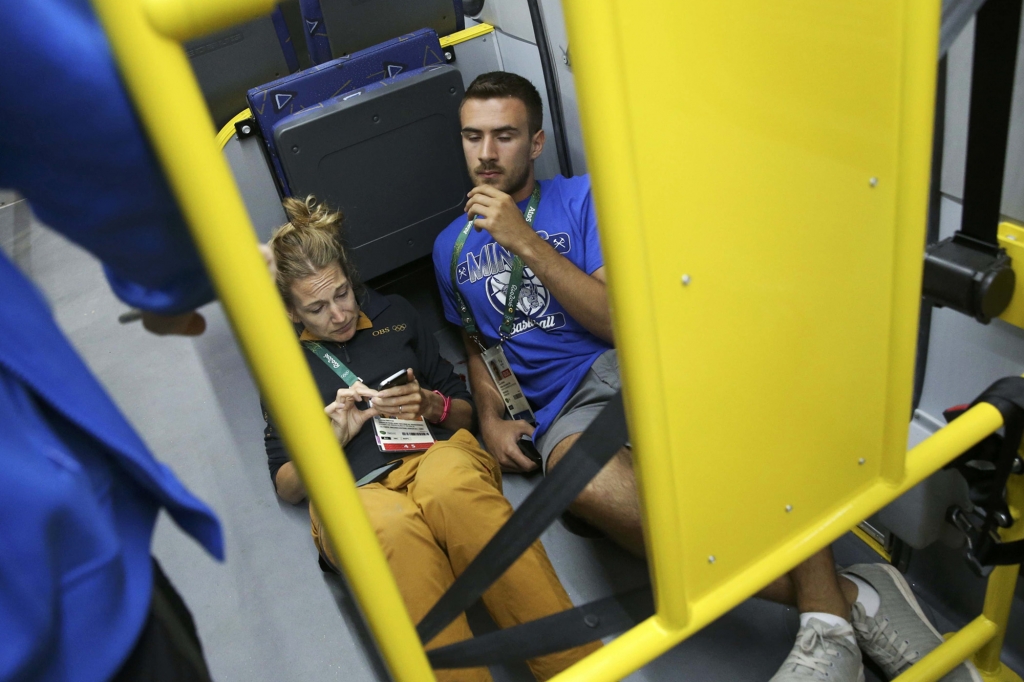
point(165, 94)
point(999, 593)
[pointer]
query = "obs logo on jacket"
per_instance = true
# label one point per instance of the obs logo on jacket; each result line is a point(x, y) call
point(494, 264)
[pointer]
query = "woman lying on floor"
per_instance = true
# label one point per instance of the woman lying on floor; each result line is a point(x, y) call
point(433, 510)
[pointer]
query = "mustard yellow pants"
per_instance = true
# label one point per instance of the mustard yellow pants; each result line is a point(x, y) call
point(432, 516)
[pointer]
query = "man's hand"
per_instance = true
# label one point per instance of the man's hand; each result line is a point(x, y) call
point(501, 437)
point(186, 324)
point(409, 401)
point(346, 418)
point(498, 214)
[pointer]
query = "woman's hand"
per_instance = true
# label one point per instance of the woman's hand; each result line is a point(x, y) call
point(346, 418)
point(409, 401)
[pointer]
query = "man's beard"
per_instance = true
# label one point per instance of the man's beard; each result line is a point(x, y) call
point(509, 184)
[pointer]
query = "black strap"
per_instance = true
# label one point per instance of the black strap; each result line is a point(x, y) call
point(995, 58)
point(988, 485)
point(1007, 396)
point(557, 632)
point(602, 439)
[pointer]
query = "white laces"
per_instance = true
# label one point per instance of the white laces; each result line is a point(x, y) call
point(895, 656)
point(809, 650)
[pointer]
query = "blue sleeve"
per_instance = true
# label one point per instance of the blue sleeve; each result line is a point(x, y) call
point(71, 144)
point(593, 258)
point(442, 271)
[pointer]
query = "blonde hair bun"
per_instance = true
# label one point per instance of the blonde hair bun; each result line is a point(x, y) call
point(309, 242)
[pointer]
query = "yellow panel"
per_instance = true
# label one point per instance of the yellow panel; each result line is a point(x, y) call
point(760, 172)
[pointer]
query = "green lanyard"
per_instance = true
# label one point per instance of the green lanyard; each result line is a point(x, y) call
point(515, 279)
point(347, 375)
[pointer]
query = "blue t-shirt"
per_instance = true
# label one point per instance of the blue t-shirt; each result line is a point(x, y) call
point(549, 351)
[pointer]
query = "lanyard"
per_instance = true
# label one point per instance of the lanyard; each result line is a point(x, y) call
point(515, 279)
point(347, 375)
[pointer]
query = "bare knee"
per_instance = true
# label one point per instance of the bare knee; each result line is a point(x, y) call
point(613, 485)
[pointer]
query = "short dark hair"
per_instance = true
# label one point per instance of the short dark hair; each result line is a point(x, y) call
point(504, 84)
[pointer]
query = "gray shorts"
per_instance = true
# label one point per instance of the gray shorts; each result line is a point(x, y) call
point(597, 388)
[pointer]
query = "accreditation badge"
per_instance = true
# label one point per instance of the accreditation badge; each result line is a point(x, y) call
point(401, 435)
point(508, 385)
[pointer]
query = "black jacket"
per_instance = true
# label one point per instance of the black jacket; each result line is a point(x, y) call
point(396, 341)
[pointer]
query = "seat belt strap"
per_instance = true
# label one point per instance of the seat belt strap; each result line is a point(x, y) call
point(557, 632)
point(595, 447)
point(995, 58)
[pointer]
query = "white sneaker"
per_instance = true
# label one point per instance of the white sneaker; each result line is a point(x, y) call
point(899, 634)
point(822, 652)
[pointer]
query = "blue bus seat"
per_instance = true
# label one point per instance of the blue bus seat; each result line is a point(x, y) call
point(335, 28)
point(230, 62)
point(272, 102)
point(315, 30)
point(389, 156)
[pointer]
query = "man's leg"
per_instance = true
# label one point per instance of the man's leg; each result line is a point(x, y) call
point(609, 502)
point(826, 644)
point(814, 587)
point(420, 567)
point(458, 488)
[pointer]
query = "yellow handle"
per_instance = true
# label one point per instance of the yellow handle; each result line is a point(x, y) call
point(183, 20)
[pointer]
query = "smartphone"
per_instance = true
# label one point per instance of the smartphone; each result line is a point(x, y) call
point(527, 447)
point(399, 378)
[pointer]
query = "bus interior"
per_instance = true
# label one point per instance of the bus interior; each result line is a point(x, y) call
point(357, 103)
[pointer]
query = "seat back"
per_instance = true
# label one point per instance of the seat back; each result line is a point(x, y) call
point(229, 62)
point(389, 156)
point(286, 96)
point(334, 28)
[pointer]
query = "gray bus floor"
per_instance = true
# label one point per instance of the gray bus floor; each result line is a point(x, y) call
point(268, 613)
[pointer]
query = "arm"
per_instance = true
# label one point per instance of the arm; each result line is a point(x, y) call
point(416, 401)
point(100, 187)
point(584, 297)
point(437, 373)
point(500, 435)
point(346, 421)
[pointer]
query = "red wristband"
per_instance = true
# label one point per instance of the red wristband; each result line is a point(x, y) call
point(447, 404)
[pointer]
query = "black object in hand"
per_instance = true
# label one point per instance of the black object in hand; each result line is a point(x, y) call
point(527, 447)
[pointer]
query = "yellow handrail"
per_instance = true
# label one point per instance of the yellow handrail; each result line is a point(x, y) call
point(655, 636)
point(170, 105)
point(228, 130)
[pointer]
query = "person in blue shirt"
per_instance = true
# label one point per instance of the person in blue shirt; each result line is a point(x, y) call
point(80, 596)
point(558, 342)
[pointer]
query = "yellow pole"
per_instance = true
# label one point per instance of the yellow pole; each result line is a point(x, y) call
point(167, 98)
point(999, 593)
point(951, 653)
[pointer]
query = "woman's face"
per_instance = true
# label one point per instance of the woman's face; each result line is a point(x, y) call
point(326, 305)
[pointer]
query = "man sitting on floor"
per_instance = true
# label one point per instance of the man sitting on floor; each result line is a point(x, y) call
point(555, 337)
